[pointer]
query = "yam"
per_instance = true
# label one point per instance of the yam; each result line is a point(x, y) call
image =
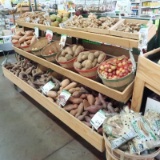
point(71, 85)
point(65, 83)
point(70, 107)
point(90, 99)
point(52, 94)
point(80, 110)
point(75, 100)
point(74, 112)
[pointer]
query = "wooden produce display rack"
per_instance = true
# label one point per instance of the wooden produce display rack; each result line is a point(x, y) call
point(148, 75)
point(84, 131)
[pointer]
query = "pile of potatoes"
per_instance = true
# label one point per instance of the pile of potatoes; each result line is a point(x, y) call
point(69, 53)
point(89, 59)
point(83, 104)
point(24, 38)
point(91, 22)
point(37, 17)
point(129, 27)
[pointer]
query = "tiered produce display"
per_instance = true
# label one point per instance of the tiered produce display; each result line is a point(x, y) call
point(82, 83)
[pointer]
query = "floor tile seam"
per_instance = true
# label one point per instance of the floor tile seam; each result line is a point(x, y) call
point(45, 158)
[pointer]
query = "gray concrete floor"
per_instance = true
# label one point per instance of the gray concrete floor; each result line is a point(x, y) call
point(29, 132)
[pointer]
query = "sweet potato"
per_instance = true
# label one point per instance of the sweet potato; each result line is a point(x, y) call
point(87, 118)
point(87, 123)
point(75, 100)
point(50, 99)
point(85, 103)
point(65, 83)
point(93, 108)
point(74, 112)
point(97, 102)
point(16, 37)
point(33, 39)
point(104, 103)
point(81, 117)
point(52, 94)
point(28, 38)
point(22, 39)
point(110, 108)
point(90, 99)
point(80, 110)
point(14, 41)
point(71, 85)
point(29, 33)
point(77, 94)
point(72, 90)
point(70, 107)
point(83, 96)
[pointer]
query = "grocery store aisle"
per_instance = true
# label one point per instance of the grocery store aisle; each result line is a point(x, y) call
point(29, 132)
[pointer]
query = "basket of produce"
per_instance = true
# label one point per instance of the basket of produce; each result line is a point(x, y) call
point(87, 63)
point(116, 72)
point(24, 40)
point(131, 136)
point(37, 47)
point(50, 51)
point(68, 55)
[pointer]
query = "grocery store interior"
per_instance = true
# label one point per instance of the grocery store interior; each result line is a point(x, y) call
point(79, 79)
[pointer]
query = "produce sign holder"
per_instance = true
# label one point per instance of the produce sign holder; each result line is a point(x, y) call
point(83, 130)
point(114, 32)
point(117, 95)
point(148, 75)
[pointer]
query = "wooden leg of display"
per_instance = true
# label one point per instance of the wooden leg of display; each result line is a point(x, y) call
point(137, 94)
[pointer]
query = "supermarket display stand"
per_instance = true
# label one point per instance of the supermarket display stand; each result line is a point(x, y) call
point(84, 131)
point(148, 76)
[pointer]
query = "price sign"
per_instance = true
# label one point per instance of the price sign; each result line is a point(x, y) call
point(98, 119)
point(47, 87)
point(36, 31)
point(63, 40)
point(63, 97)
point(49, 35)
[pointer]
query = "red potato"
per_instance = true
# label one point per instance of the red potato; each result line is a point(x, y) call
point(70, 107)
point(75, 100)
point(80, 110)
point(90, 99)
point(93, 108)
point(85, 103)
point(74, 112)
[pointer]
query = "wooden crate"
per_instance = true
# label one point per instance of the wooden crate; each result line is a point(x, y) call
point(114, 32)
point(148, 75)
point(83, 130)
point(114, 94)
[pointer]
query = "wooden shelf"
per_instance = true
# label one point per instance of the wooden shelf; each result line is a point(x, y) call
point(83, 130)
point(114, 94)
point(148, 75)
point(123, 42)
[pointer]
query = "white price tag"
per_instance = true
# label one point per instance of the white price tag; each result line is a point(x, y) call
point(63, 97)
point(47, 87)
point(49, 35)
point(36, 31)
point(132, 60)
point(98, 119)
point(63, 40)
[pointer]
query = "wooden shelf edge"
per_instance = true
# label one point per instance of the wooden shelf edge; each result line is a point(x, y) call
point(114, 94)
point(152, 88)
point(123, 42)
point(84, 131)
